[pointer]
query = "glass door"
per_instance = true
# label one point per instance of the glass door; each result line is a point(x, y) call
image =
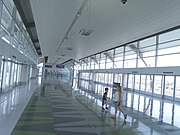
point(177, 88)
point(1, 73)
point(117, 78)
point(19, 73)
point(6, 76)
point(169, 87)
point(158, 83)
point(12, 74)
point(143, 83)
point(15, 74)
point(131, 81)
point(125, 81)
point(148, 84)
point(137, 82)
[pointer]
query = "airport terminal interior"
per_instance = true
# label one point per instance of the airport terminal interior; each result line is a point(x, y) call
point(57, 57)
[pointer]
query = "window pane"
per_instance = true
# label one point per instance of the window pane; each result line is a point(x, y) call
point(146, 56)
point(118, 57)
point(169, 44)
point(109, 65)
point(156, 109)
point(130, 63)
point(118, 64)
point(169, 50)
point(147, 42)
point(167, 117)
point(168, 60)
point(6, 19)
point(18, 19)
point(110, 55)
point(9, 4)
point(117, 78)
point(177, 116)
point(146, 62)
point(93, 61)
point(172, 35)
point(102, 64)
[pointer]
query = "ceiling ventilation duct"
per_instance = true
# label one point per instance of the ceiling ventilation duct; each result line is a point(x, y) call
point(85, 32)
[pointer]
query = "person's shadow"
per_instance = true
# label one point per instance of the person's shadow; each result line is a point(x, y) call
point(119, 126)
point(103, 115)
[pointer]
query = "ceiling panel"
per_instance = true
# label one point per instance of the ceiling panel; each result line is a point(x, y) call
point(112, 24)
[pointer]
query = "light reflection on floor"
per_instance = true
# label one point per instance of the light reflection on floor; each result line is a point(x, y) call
point(158, 112)
point(146, 115)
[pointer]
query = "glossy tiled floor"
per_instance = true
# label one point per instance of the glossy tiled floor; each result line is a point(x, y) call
point(59, 110)
point(12, 105)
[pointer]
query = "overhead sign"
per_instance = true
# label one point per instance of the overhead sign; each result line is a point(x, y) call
point(60, 66)
point(48, 66)
point(167, 72)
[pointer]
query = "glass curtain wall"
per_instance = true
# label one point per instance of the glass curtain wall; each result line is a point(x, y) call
point(157, 51)
point(13, 31)
point(9, 73)
point(169, 49)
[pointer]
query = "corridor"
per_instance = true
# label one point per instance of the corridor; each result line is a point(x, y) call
point(58, 110)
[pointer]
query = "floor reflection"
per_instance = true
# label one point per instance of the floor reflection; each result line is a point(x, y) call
point(12, 104)
point(159, 112)
point(146, 115)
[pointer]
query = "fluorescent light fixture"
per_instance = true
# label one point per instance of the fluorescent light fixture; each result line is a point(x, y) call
point(6, 40)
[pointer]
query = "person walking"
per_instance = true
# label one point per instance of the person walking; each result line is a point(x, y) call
point(104, 98)
point(117, 101)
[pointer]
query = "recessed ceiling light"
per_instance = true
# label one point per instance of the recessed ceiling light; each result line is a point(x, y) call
point(69, 48)
point(78, 14)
